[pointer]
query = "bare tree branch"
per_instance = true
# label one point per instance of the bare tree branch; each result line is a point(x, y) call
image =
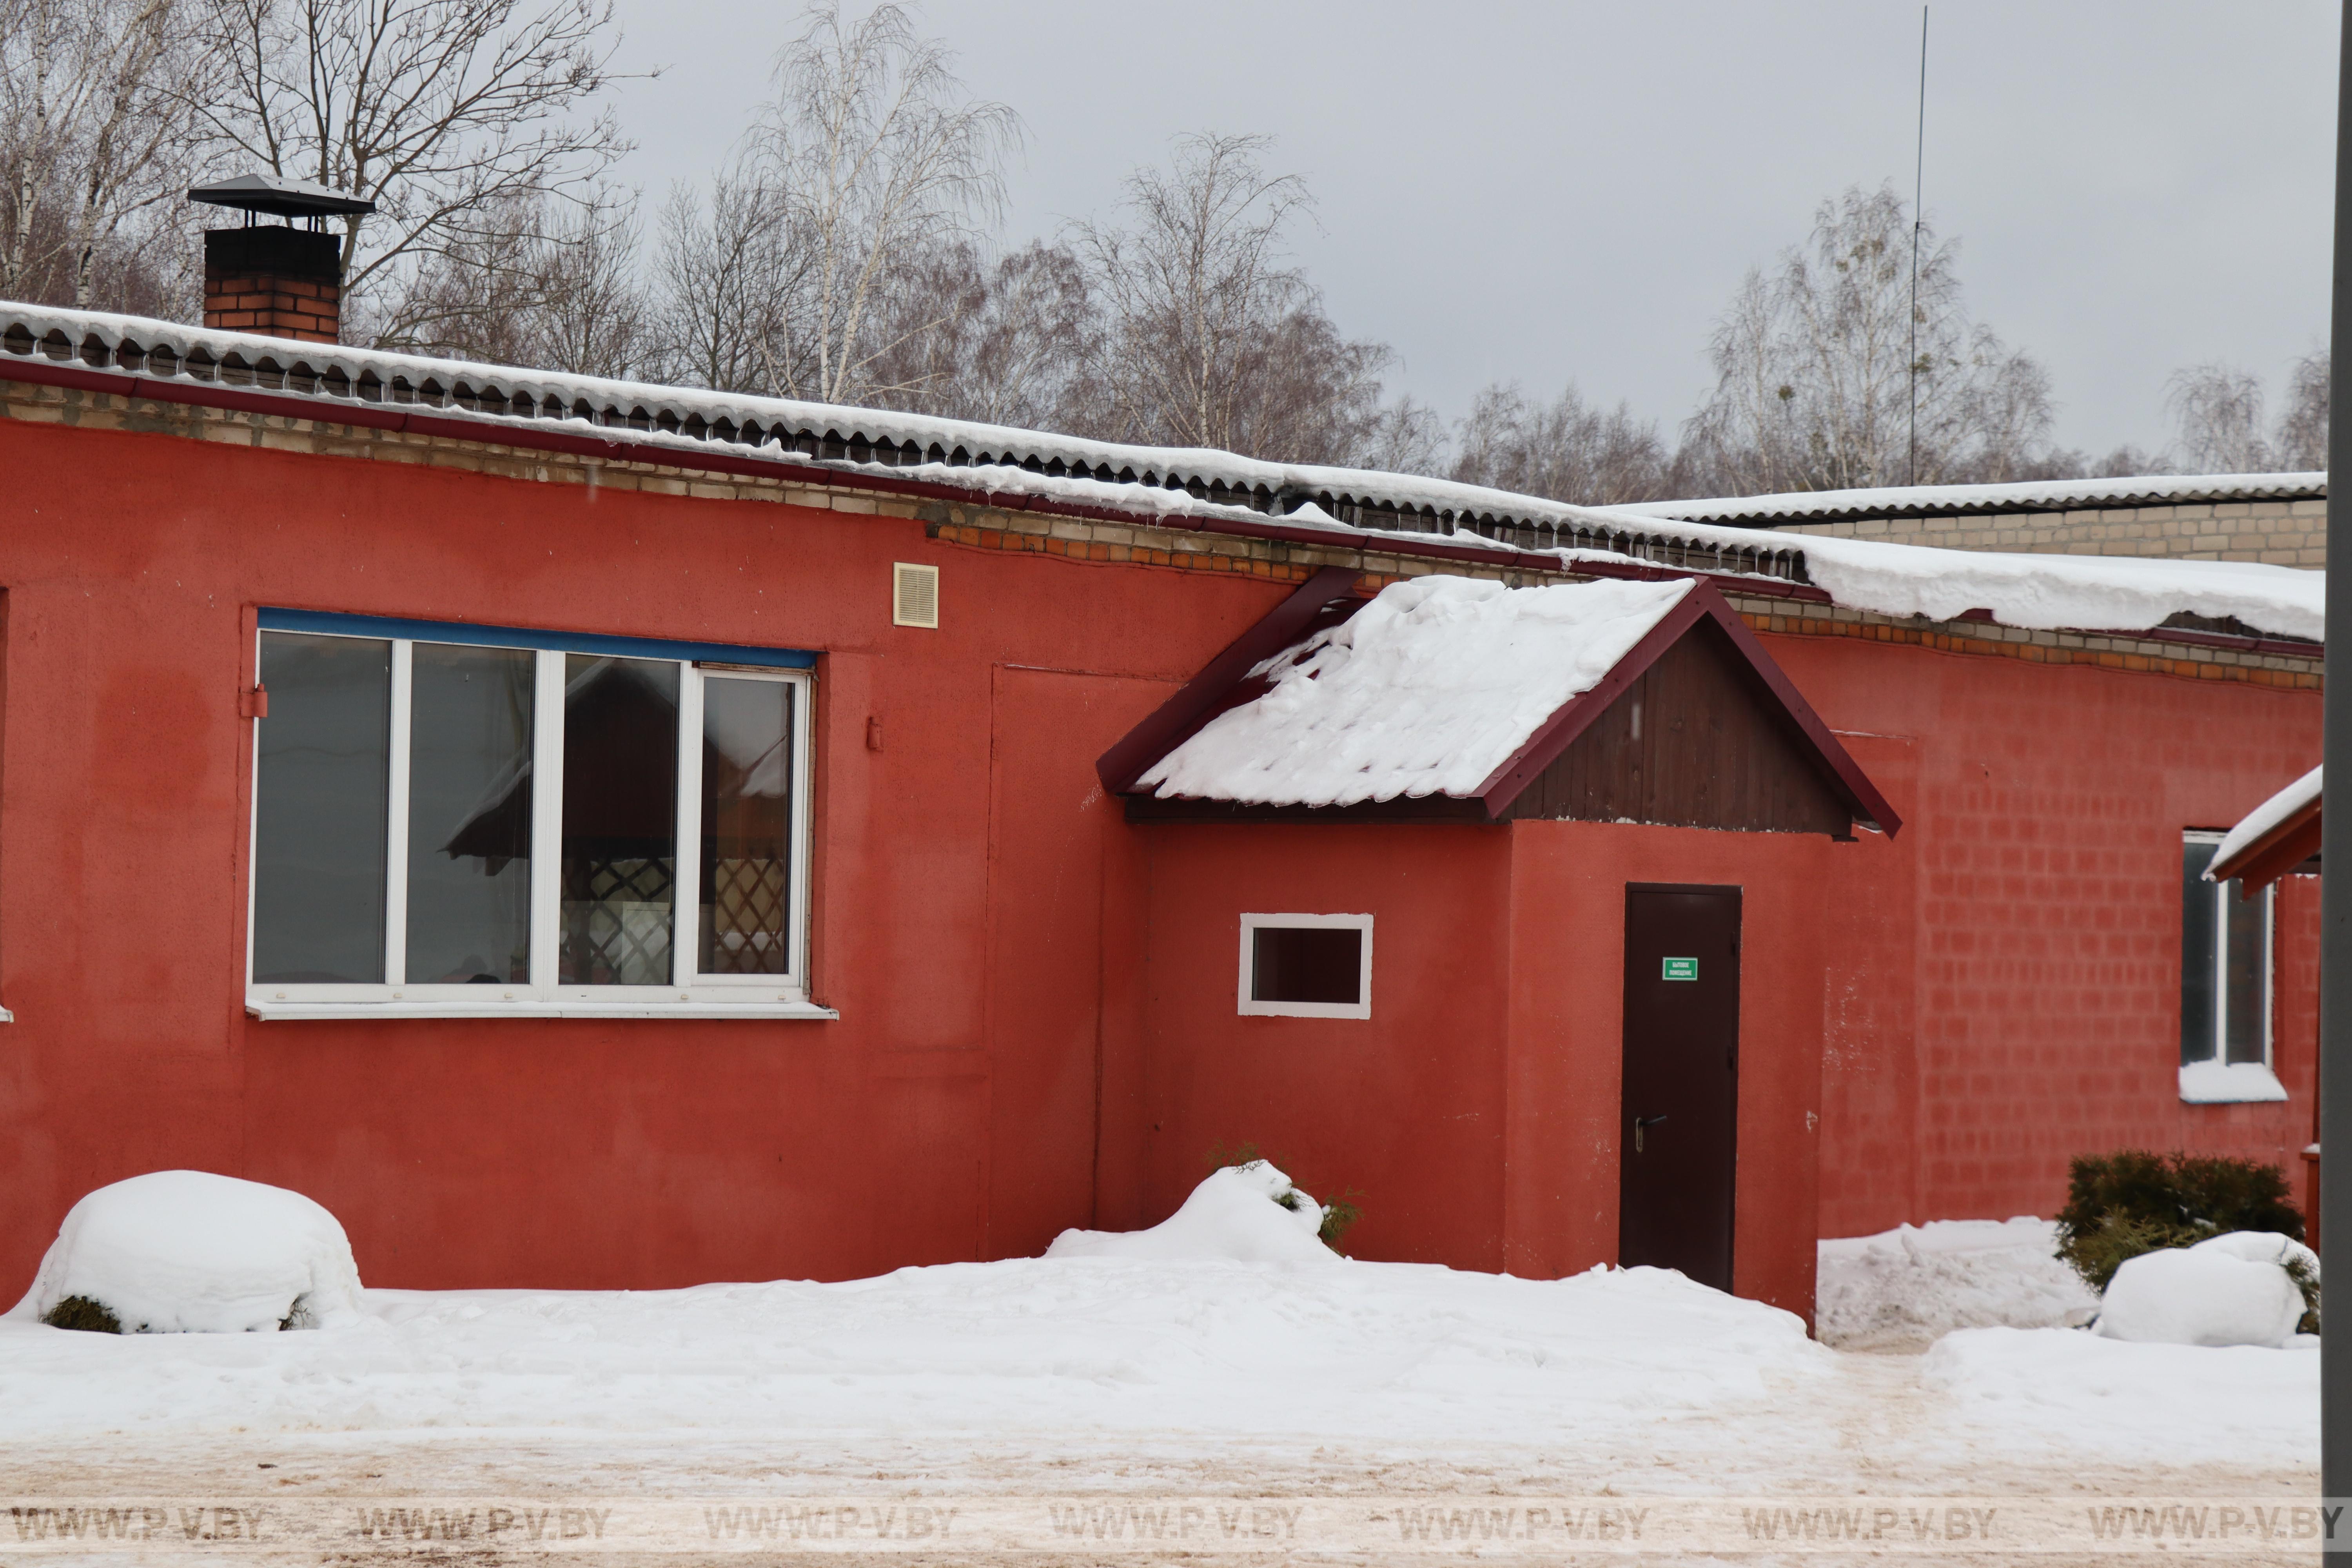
point(445, 113)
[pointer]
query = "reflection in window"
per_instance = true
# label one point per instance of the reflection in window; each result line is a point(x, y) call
point(620, 820)
point(2225, 940)
point(469, 784)
point(320, 798)
point(747, 817)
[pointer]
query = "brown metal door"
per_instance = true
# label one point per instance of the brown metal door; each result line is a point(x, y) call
point(1677, 1134)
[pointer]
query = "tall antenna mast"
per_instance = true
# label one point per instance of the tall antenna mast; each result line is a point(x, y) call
point(1918, 174)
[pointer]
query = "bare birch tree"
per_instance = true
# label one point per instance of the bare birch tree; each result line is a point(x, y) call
point(93, 141)
point(445, 113)
point(1816, 370)
point(879, 158)
point(1210, 338)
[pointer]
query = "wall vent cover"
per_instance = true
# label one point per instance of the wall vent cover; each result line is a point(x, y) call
point(914, 596)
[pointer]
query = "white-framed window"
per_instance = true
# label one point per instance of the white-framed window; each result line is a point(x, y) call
point(475, 821)
point(1306, 966)
point(2225, 981)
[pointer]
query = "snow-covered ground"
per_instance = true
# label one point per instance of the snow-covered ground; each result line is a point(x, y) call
point(1085, 1373)
point(1223, 1368)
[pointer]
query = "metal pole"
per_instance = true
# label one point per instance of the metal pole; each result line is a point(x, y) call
point(1918, 177)
point(2336, 892)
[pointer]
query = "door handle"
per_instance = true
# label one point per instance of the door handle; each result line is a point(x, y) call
point(1639, 1123)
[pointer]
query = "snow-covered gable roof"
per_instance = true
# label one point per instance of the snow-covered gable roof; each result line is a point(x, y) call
point(2275, 836)
point(993, 463)
point(1964, 500)
point(1447, 686)
point(1426, 690)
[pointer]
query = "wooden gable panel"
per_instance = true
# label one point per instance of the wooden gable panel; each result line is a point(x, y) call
point(1695, 741)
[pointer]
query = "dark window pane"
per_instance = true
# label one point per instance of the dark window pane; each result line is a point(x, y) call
point(620, 820)
point(2199, 934)
point(1307, 963)
point(320, 798)
point(469, 784)
point(747, 817)
point(2247, 973)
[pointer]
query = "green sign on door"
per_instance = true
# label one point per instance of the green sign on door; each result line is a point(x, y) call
point(1682, 968)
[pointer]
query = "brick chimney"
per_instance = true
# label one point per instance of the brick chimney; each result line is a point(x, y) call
point(274, 279)
point(281, 281)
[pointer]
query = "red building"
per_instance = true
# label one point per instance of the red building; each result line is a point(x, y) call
point(595, 835)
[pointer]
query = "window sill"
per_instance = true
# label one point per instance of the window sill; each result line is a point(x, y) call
point(274, 1012)
point(2229, 1083)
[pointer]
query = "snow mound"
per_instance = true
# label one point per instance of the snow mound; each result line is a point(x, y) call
point(2230, 1289)
point(1428, 689)
point(1903, 1287)
point(190, 1252)
point(1242, 1214)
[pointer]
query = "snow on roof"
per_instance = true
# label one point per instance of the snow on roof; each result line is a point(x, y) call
point(2031, 495)
point(1362, 507)
point(2265, 818)
point(1426, 690)
point(2058, 593)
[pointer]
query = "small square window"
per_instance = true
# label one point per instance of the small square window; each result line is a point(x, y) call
point(1306, 966)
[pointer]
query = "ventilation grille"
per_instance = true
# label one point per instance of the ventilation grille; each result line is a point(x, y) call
point(914, 596)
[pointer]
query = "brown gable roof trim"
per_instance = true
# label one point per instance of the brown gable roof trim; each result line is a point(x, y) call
point(1557, 733)
point(325, 383)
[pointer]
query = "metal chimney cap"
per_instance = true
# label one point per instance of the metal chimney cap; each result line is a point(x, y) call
point(280, 196)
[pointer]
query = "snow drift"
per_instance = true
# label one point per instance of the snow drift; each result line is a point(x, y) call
point(2230, 1289)
point(1242, 1214)
point(190, 1252)
point(1912, 1284)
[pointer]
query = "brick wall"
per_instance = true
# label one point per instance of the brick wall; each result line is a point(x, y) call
point(2284, 532)
point(281, 307)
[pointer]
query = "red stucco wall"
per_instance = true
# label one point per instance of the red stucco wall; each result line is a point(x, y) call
point(947, 1114)
point(2004, 995)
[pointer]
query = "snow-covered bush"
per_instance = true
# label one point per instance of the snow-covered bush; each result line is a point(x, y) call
point(1245, 1214)
point(190, 1252)
point(2242, 1288)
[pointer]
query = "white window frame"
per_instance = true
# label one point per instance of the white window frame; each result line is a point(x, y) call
point(688, 995)
point(1252, 1008)
point(2227, 906)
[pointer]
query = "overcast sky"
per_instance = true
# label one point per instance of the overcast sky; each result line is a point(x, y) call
point(1554, 192)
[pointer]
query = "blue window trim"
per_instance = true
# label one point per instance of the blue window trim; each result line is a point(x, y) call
point(328, 623)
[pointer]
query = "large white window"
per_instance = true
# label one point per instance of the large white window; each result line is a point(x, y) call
point(475, 821)
point(2225, 983)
